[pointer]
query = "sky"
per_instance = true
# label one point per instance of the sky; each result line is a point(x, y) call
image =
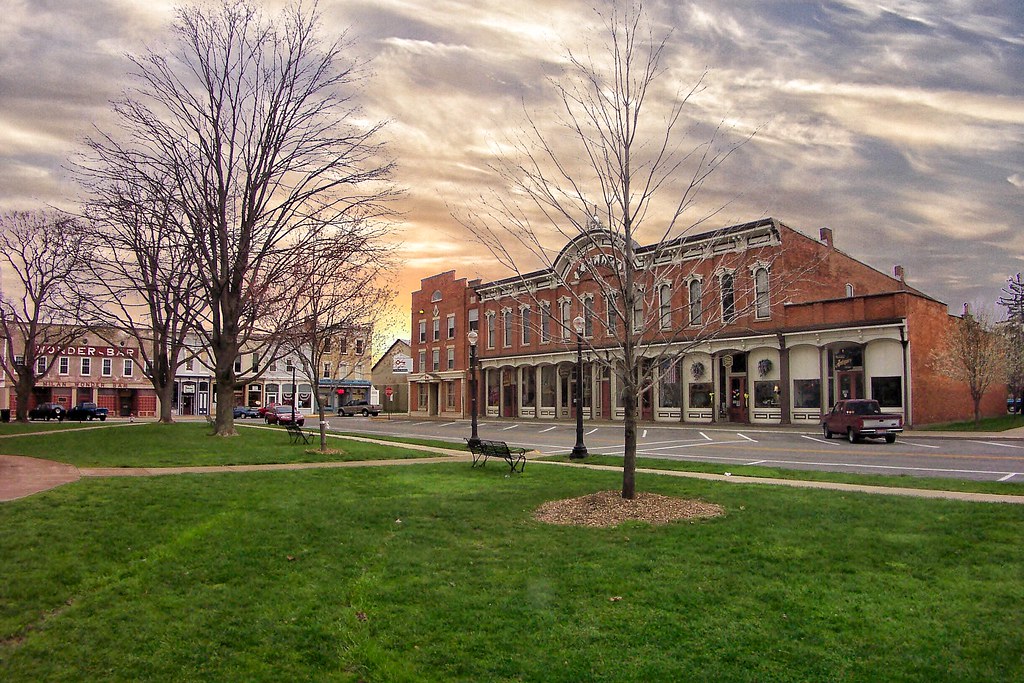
point(899, 125)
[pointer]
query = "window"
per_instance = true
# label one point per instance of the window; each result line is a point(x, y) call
point(545, 322)
point(490, 329)
point(849, 290)
point(41, 365)
point(327, 370)
point(327, 346)
point(451, 358)
point(451, 325)
point(695, 293)
point(668, 384)
point(255, 363)
point(588, 317)
point(766, 395)
point(728, 284)
point(436, 296)
point(449, 395)
point(888, 391)
point(611, 304)
point(238, 365)
point(437, 329)
point(19, 360)
point(423, 332)
point(436, 360)
point(289, 364)
point(63, 365)
point(565, 317)
point(762, 303)
point(665, 306)
point(129, 368)
point(638, 311)
point(86, 366)
point(343, 342)
point(527, 317)
point(106, 367)
point(807, 393)
point(190, 364)
point(700, 395)
point(422, 367)
point(474, 319)
point(359, 347)
point(422, 397)
point(506, 325)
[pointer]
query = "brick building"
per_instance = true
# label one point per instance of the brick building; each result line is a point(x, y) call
point(105, 370)
point(761, 325)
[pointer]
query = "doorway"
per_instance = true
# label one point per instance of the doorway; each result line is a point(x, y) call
point(737, 398)
point(851, 384)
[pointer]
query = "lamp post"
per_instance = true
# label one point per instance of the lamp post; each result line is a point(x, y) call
point(473, 337)
point(579, 451)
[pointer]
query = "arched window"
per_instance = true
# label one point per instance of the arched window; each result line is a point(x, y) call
point(436, 296)
point(762, 302)
point(728, 283)
point(849, 290)
point(665, 306)
point(695, 294)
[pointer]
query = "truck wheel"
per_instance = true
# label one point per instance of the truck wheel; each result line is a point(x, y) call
point(103, 418)
point(851, 436)
point(890, 438)
point(366, 412)
point(826, 432)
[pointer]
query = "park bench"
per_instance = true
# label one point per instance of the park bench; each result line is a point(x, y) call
point(515, 457)
point(296, 432)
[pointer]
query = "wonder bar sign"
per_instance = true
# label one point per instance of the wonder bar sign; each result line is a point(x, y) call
point(87, 351)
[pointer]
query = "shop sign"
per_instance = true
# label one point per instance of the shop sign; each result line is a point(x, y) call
point(88, 351)
point(400, 364)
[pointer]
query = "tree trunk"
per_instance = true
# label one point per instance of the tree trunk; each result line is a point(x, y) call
point(323, 426)
point(23, 392)
point(225, 376)
point(629, 454)
point(165, 394)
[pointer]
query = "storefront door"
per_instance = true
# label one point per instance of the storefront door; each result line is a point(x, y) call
point(737, 399)
point(851, 384)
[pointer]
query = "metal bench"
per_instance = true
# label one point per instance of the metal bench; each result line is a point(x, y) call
point(513, 456)
point(296, 432)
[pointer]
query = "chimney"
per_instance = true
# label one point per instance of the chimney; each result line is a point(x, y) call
point(825, 235)
point(899, 273)
point(967, 310)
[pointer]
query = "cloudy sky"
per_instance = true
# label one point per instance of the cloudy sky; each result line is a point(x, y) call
point(900, 125)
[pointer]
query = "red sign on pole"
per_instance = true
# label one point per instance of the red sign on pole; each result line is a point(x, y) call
point(388, 391)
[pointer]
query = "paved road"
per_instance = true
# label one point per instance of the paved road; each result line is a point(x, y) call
point(914, 454)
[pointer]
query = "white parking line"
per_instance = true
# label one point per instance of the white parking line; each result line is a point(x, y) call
point(1008, 476)
point(757, 462)
point(744, 436)
point(646, 449)
point(706, 437)
point(811, 438)
point(545, 430)
point(509, 427)
point(919, 445)
point(449, 424)
point(644, 435)
point(994, 443)
point(591, 431)
point(425, 422)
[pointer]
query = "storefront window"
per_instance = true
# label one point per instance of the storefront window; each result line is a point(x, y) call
point(700, 395)
point(529, 388)
point(668, 388)
point(421, 396)
point(888, 391)
point(449, 395)
point(493, 392)
point(548, 377)
point(807, 393)
point(766, 395)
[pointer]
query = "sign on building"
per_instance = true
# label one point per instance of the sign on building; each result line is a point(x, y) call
point(401, 364)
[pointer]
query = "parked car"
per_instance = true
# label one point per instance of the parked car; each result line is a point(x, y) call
point(283, 415)
point(1013, 405)
point(263, 410)
point(246, 411)
point(47, 411)
point(87, 411)
point(363, 408)
point(858, 418)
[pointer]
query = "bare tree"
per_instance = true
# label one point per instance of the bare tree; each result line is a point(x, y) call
point(144, 276)
point(1012, 299)
point(341, 297)
point(618, 169)
point(42, 251)
point(253, 123)
point(973, 352)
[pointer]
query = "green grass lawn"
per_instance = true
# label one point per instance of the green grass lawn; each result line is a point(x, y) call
point(900, 481)
point(187, 443)
point(988, 424)
point(439, 573)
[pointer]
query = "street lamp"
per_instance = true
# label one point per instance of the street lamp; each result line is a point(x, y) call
point(579, 451)
point(473, 337)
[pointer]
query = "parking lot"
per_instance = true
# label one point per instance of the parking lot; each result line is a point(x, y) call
point(920, 454)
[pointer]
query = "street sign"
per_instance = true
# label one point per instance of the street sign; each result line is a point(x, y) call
point(388, 391)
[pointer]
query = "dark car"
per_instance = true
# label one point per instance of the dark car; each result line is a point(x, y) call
point(283, 415)
point(246, 411)
point(47, 411)
point(1013, 405)
point(360, 407)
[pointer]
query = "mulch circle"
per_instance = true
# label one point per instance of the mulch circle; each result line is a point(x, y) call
point(609, 508)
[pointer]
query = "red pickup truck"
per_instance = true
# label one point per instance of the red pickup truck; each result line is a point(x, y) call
point(857, 418)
